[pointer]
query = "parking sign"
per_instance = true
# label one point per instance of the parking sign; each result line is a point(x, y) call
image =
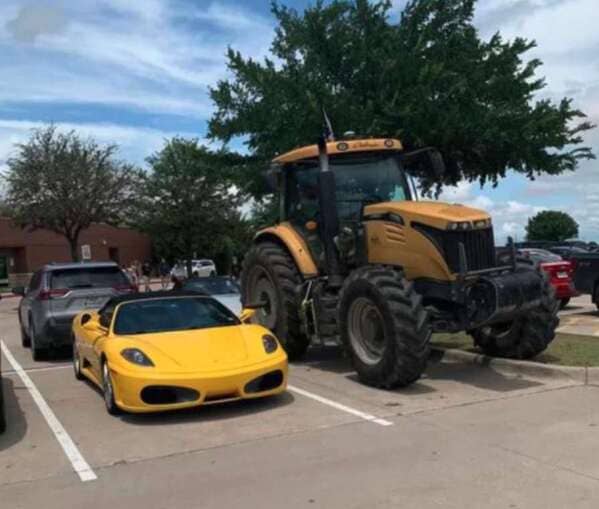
point(86, 252)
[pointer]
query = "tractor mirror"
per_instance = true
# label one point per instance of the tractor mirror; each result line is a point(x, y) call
point(273, 178)
point(425, 159)
point(436, 162)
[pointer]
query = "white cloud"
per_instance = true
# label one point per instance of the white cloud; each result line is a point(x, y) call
point(147, 55)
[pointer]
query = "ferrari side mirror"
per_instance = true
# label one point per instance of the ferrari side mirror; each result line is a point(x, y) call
point(247, 314)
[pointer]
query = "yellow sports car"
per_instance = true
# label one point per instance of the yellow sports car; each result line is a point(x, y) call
point(166, 350)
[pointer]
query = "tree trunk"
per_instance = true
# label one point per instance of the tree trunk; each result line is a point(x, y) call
point(73, 244)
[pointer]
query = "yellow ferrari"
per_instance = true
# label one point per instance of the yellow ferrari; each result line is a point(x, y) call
point(159, 351)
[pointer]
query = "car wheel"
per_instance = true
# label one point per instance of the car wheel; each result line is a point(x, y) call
point(77, 362)
point(25, 339)
point(564, 302)
point(212, 274)
point(108, 391)
point(37, 353)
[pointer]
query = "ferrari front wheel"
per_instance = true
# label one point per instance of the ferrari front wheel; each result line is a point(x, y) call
point(108, 391)
point(77, 361)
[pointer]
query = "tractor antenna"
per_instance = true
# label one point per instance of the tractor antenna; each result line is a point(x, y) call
point(328, 128)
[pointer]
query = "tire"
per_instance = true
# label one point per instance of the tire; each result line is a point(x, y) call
point(77, 362)
point(384, 326)
point(270, 275)
point(25, 339)
point(108, 391)
point(596, 295)
point(525, 337)
point(564, 302)
point(37, 353)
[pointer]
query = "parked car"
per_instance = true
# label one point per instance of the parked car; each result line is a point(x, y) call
point(567, 251)
point(199, 268)
point(57, 292)
point(224, 289)
point(157, 351)
point(560, 271)
point(586, 274)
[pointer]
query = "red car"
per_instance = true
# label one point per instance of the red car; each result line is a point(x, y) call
point(560, 271)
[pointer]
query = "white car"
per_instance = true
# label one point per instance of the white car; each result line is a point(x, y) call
point(222, 288)
point(199, 268)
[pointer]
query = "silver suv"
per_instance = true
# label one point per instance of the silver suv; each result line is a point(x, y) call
point(56, 293)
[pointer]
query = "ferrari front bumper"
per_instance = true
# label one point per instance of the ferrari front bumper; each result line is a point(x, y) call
point(139, 392)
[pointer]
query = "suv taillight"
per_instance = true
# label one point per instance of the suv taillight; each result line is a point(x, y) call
point(51, 294)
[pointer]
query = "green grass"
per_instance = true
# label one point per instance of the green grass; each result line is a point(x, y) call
point(564, 350)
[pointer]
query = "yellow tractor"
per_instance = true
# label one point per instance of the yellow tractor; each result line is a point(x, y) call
point(357, 258)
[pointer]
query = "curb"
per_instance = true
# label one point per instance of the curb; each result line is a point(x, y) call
point(581, 374)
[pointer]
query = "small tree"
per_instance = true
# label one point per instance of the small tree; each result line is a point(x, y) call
point(551, 225)
point(190, 205)
point(63, 183)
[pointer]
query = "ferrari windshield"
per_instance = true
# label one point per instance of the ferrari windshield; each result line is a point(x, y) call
point(171, 314)
point(359, 180)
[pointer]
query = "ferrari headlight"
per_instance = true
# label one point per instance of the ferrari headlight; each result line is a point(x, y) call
point(136, 356)
point(270, 343)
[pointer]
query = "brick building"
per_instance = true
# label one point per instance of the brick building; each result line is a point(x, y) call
point(22, 252)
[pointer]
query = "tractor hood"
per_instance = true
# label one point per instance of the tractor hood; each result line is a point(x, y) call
point(432, 213)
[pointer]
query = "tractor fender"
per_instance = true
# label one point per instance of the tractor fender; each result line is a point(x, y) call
point(286, 235)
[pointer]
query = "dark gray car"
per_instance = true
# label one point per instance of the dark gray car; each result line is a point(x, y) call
point(57, 292)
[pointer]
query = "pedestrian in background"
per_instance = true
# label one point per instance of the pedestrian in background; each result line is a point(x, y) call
point(133, 274)
point(164, 271)
point(146, 272)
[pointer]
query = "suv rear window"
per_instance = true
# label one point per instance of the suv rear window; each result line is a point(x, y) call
point(88, 277)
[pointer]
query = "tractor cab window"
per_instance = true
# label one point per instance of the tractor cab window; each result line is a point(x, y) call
point(363, 181)
point(360, 180)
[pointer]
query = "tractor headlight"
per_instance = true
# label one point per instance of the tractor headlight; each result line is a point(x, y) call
point(136, 356)
point(482, 223)
point(270, 343)
point(459, 225)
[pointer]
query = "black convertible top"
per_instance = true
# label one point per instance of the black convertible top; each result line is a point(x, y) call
point(133, 297)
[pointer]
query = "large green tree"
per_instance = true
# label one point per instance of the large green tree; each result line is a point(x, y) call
point(428, 78)
point(65, 183)
point(551, 225)
point(190, 203)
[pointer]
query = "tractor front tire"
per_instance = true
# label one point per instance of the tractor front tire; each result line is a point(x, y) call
point(526, 336)
point(270, 276)
point(384, 326)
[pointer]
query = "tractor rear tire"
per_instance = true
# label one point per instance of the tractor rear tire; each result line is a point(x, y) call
point(526, 336)
point(271, 276)
point(384, 327)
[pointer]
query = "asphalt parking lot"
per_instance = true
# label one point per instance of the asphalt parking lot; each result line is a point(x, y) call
point(463, 436)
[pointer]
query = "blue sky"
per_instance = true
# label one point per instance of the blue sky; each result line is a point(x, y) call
point(137, 72)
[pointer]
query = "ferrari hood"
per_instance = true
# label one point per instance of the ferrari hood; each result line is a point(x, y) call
point(195, 350)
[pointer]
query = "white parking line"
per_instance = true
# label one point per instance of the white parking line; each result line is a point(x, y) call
point(339, 406)
point(36, 370)
point(70, 449)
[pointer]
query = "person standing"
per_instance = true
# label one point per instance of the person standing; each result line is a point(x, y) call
point(146, 272)
point(164, 271)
